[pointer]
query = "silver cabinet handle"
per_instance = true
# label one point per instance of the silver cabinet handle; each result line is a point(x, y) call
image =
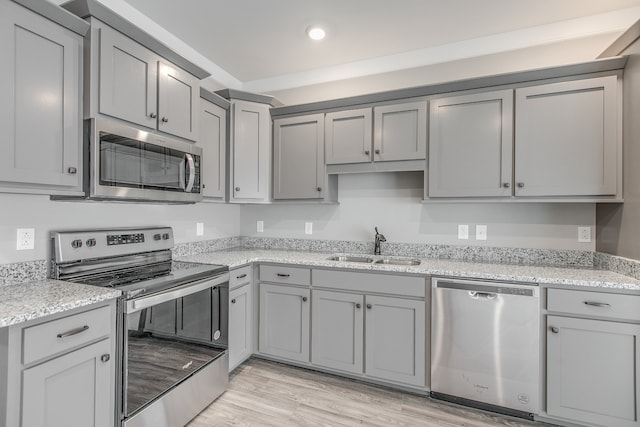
point(105, 358)
point(165, 120)
point(72, 170)
point(366, 152)
point(304, 299)
point(597, 304)
point(72, 332)
point(242, 276)
point(520, 184)
point(369, 306)
point(233, 301)
point(283, 275)
point(153, 115)
point(506, 185)
point(555, 330)
point(377, 151)
point(358, 305)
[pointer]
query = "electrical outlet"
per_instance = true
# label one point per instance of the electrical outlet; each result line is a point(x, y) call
point(463, 231)
point(308, 228)
point(481, 232)
point(199, 228)
point(584, 234)
point(25, 239)
point(260, 226)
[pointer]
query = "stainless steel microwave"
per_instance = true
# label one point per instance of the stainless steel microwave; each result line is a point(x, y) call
point(129, 164)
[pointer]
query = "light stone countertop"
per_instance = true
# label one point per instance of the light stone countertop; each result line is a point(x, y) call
point(32, 300)
point(541, 275)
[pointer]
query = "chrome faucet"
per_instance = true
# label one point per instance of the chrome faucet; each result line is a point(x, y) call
point(378, 239)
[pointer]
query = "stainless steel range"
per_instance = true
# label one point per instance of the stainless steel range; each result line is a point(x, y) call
point(172, 320)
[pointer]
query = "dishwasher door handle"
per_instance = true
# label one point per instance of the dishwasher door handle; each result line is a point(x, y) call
point(482, 295)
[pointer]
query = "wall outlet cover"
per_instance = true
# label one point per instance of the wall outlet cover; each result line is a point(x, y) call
point(308, 228)
point(25, 239)
point(199, 228)
point(260, 226)
point(481, 232)
point(463, 231)
point(584, 234)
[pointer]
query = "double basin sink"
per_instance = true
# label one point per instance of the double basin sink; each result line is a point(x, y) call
point(368, 260)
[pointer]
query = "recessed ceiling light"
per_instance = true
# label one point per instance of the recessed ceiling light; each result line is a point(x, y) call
point(315, 33)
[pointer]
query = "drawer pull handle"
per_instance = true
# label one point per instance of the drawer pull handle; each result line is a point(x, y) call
point(72, 332)
point(283, 275)
point(242, 276)
point(555, 330)
point(597, 304)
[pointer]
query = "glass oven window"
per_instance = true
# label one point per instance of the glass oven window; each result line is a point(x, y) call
point(126, 162)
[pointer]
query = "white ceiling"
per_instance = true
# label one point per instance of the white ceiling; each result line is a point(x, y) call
point(262, 43)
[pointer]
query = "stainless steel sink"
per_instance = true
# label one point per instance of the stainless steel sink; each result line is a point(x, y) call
point(351, 258)
point(398, 261)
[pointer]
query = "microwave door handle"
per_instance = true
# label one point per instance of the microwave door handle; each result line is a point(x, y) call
point(192, 172)
point(183, 173)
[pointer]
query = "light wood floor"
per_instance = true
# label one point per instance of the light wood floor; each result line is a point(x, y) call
point(263, 393)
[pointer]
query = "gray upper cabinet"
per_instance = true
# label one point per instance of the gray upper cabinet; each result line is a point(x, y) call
point(400, 132)
point(250, 152)
point(392, 132)
point(471, 145)
point(213, 140)
point(139, 86)
point(566, 138)
point(41, 104)
point(348, 136)
point(298, 157)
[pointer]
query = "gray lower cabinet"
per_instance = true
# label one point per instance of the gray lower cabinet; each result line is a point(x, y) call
point(250, 152)
point(241, 308)
point(298, 157)
point(213, 140)
point(593, 364)
point(284, 321)
point(135, 84)
point(41, 104)
point(471, 145)
point(567, 138)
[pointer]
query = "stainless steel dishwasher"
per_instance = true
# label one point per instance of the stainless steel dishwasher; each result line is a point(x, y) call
point(485, 345)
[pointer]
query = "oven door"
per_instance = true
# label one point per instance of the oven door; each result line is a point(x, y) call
point(128, 163)
point(169, 339)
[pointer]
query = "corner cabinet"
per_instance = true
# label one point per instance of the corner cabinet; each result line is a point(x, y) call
point(593, 357)
point(60, 370)
point(132, 83)
point(213, 140)
point(41, 104)
point(298, 158)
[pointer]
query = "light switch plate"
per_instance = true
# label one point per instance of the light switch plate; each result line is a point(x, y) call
point(584, 234)
point(260, 226)
point(25, 238)
point(199, 228)
point(481, 232)
point(308, 228)
point(463, 231)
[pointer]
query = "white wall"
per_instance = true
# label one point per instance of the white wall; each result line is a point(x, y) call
point(30, 211)
point(393, 202)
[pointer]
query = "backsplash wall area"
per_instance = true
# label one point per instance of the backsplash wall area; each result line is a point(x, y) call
point(393, 203)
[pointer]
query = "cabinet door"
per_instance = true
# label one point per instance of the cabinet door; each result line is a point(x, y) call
point(471, 145)
point(566, 138)
point(338, 331)
point(593, 371)
point(128, 79)
point(251, 150)
point(400, 132)
point(76, 389)
point(348, 136)
point(298, 157)
point(40, 100)
point(178, 101)
point(240, 325)
point(284, 322)
point(213, 137)
point(395, 338)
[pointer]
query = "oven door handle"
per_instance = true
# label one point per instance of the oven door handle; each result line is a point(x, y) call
point(175, 293)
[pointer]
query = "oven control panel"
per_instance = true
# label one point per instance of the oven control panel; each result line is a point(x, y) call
point(124, 239)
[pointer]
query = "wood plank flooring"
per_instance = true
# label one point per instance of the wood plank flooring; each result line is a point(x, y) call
point(264, 393)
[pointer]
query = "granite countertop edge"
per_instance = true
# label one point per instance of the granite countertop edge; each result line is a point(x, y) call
point(535, 274)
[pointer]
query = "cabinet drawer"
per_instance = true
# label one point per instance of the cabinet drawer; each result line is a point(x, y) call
point(411, 286)
point(240, 276)
point(57, 336)
point(285, 274)
point(615, 306)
